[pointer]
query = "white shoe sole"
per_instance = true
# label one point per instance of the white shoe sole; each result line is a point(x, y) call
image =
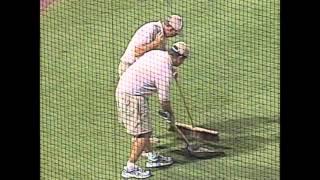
point(155, 165)
point(132, 176)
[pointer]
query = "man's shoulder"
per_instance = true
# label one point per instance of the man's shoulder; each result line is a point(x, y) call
point(154, 26)
point(152, 23)
point(157, 53)
point(159, 58)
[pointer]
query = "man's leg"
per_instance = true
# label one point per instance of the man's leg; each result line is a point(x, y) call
point(148, 147)
point(137, 124)
point(132, 170)
point(139, 144)
point(152, 140)
point(154, 159)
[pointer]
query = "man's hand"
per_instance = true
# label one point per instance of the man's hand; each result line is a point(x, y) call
point(175, 72)
point(166, 107)
point(169, 118)
point(165, 115)
point(158, 40)
point(175, 75)
point(140, 50)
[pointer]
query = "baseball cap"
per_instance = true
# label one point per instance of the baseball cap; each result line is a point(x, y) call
point(181, 48)
point(175, 21)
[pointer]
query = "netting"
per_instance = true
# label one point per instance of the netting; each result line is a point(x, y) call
point(230, 81)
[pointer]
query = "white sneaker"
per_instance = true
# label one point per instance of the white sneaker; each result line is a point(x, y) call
point(157, 160)
point(137, 172)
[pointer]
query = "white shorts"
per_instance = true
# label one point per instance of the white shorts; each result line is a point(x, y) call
point(133, 113)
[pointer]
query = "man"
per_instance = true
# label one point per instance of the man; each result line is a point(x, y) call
point(151, 73)
point(150, 36)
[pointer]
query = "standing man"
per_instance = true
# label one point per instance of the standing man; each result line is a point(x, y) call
point(152, 73)
point(150, 36)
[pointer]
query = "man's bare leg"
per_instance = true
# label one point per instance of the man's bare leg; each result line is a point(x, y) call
point(139, 144)
point(137, 147)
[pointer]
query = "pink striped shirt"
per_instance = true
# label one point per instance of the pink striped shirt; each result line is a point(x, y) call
point(144, 35)
point(151, 73)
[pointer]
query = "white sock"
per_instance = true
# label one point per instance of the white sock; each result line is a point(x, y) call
point(130, 166)
point(149, 154)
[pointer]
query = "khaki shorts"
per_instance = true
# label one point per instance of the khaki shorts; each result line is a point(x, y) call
point(133, 113)
point(122, 68)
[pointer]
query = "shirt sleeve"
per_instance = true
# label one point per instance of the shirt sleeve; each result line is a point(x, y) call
point(147, 34)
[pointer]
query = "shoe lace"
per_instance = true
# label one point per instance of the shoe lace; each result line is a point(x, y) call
point(140, 170)
point(155, 156)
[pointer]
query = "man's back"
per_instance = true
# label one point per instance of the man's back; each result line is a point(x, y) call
point(151, 73)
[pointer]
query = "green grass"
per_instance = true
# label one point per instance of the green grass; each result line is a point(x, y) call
point(231, 82)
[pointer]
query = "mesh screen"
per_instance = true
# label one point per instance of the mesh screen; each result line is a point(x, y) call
point(230, 83)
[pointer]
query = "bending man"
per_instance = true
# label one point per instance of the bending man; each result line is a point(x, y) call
point(152, 73)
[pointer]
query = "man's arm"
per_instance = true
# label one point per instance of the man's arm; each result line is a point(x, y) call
point(163, 83)
point(175, 72)
point(140, 50)
point(166, 107)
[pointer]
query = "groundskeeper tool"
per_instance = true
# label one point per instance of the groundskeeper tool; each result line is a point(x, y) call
point(193, 149)
point(191, 130)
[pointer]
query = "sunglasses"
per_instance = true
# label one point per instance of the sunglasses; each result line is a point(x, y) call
point(172, 29)
point(175, 49)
